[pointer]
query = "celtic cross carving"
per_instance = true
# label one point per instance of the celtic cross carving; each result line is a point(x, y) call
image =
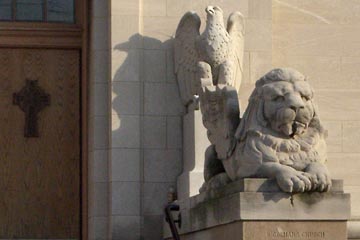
point(31, 99)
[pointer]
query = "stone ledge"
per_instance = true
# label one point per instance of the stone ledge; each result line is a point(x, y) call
point(252, 185)
point(260, 200)
point(273, 230)
point(354, 229)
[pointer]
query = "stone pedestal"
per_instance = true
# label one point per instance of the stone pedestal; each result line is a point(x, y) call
point(256, 209)
point(195, 142)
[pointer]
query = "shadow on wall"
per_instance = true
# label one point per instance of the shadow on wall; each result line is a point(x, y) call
point(146, 135)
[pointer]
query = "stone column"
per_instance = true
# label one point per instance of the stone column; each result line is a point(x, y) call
point(99, 132)
point(195, 143)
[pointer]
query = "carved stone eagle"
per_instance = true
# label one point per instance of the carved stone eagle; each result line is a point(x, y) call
point(217, 53)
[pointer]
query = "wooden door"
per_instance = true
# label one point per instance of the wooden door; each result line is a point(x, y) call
point(40, 176)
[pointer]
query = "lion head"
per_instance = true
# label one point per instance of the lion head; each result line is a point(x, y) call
point(279, 135)
point(280, 105)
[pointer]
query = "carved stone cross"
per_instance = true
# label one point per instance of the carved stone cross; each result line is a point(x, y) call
point(31, 99)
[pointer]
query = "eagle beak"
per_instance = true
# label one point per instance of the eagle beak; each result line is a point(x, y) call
point(210, 10)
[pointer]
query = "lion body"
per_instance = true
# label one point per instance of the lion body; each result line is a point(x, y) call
point(259, 148)
point(280, 125)
point(280, 128)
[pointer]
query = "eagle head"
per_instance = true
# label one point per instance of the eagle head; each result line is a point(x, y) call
point(214, 12)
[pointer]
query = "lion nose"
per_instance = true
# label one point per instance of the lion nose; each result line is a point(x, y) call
point(295, 102)
point(295, 109)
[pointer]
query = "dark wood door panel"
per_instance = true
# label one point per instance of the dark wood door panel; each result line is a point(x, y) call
point(40, 177)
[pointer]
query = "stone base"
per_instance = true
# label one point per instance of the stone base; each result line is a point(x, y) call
point(273, 230)
point(256, 209)
point(189, 183)
point(195, 143)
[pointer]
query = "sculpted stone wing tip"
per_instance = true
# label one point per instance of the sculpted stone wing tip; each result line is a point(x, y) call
point(185, 55)
point(236, 30)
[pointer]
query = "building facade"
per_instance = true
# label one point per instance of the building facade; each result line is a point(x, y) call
point(110, 136)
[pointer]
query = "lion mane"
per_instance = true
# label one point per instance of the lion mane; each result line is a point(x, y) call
point(261, 140)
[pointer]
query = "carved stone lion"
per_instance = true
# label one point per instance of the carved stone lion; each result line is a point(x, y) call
point(280, 135)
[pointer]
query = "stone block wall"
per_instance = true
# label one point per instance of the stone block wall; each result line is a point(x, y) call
point(136, 124)
point(321, 39)
point(136, 113)
point(98, 183)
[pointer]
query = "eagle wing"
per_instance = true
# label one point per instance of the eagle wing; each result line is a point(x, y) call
point(219, 106)
point(236, 30)
point(186, 56)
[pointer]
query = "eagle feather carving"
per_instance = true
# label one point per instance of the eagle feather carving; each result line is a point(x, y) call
point(219, 47)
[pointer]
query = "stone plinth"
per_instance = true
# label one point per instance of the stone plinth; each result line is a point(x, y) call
point(256, 209)
point(194, 147)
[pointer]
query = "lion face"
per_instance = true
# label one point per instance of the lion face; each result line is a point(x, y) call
point(288, 106)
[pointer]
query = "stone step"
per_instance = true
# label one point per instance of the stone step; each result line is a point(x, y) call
point(253, 185)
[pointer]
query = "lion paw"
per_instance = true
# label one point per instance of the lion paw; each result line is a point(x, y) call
point(216, 181)
point(319, 177)
point(293, 181)
point(321, 182)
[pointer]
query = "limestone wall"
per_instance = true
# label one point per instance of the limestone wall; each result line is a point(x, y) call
point(136, 144)
point(135, 120)
point(322, 40)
